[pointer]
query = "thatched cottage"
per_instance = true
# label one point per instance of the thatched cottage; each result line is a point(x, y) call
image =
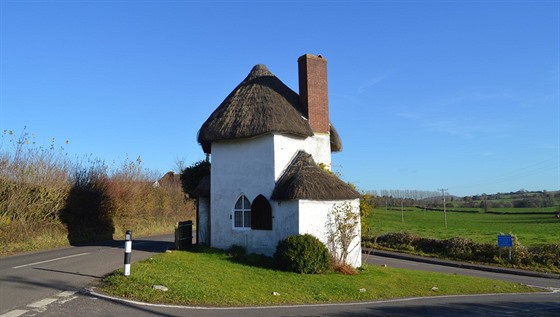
point(266, 142)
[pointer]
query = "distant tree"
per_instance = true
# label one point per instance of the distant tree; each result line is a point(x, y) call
point(486, 205)
point(366, 204)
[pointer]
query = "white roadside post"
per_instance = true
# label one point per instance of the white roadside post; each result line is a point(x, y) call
point(127, 252)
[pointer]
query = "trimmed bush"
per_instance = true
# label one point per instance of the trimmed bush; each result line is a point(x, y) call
point(397, 240)
point(302, 254)
point(547, 255)
point(540, 258)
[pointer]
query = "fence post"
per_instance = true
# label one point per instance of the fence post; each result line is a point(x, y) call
point(127, 252)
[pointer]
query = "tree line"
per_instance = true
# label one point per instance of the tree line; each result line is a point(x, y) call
point(434, 199)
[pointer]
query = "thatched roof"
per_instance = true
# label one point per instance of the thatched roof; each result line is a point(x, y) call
point(260, 104)
point(203, 188)
point(170, 178)
point(304, 179)
point(336, 144)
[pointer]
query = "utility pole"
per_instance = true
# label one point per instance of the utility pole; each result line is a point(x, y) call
point(402, 210)
point(444, 211)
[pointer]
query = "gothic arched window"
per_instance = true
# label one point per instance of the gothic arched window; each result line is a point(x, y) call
point(242, 213)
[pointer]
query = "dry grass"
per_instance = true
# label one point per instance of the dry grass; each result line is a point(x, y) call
point(48, 201)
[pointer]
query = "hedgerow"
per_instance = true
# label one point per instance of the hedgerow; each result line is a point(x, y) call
point(543, 258)
point(46, 200)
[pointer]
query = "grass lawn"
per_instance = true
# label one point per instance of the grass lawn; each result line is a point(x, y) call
point(531, 230)
point(215, 278)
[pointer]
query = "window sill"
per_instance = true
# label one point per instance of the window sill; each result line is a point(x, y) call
point(241, 229)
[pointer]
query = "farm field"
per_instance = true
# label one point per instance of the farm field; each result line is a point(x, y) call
point(508, 210)
point(531, 229)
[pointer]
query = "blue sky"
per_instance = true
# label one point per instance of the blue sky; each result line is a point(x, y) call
point(463, 95)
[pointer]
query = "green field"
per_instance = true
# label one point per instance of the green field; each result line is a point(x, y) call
point(550, 210)
point(531, 229)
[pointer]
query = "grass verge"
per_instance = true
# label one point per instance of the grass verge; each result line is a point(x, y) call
point(214, 278)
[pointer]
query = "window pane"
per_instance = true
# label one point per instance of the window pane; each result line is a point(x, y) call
point(238, 203)
point(247, 218)
point(238, 218)
point(247, 203)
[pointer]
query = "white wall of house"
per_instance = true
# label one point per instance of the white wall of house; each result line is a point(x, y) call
point(319, 146)
point(251, 167)
point(239, 167)
point(284, 223)
point(203, 218)
point(285, 147)
point(313, 219)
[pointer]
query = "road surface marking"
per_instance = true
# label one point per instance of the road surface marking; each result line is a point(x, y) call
point(43, 302)
point(66, 294)
point(51, 260)
point(66, 300)
point(14, 313)
point(63, 297)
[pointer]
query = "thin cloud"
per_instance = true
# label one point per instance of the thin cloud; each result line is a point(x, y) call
point(373, 81)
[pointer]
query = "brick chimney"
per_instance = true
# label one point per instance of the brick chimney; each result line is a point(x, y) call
point(313, 91)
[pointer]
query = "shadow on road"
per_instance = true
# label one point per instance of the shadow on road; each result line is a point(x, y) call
point(66, 272)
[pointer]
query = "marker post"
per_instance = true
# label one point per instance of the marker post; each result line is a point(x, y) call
point(127, 252)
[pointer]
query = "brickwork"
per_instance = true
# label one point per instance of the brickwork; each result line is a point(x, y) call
point(313, 91)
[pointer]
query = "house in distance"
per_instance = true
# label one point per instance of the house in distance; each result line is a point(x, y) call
point(266, 142)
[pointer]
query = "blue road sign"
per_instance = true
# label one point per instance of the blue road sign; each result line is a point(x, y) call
point(505, 241)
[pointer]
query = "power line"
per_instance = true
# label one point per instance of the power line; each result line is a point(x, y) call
point(522, 172)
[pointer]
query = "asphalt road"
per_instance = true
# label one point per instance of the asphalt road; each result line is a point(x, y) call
point(31, 279)
point(55, 283)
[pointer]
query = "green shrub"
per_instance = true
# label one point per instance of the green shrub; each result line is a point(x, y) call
point(191, 176)
point(520, 255)
point(483, 252)
point(458, 248)
point(428, 245)
point(302, 254)
point(547, 255)
point(397, 240)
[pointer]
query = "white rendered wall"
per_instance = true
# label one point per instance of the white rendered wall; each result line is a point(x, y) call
point(313, 219)
point(239, 167)
point(203, 225)
point(319, 146)
point(285, 147)
point(251, 167)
